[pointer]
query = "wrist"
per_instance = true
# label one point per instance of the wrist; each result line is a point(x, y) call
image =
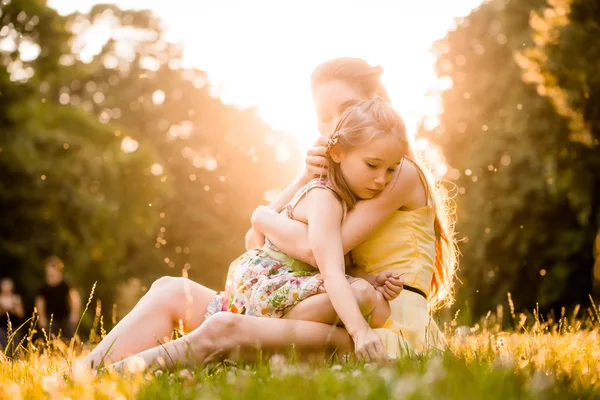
point(303, 179)
point(357, 329)
point(371, 279)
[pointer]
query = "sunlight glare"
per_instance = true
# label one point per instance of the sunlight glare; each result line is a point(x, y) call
point(253, 59)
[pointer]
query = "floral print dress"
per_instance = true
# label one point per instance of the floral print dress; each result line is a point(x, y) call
point(266, 282)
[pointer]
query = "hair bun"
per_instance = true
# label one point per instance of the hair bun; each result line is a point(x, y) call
point(377, 70)
point(378, 96)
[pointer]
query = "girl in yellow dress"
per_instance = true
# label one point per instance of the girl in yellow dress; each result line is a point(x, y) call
point(405, 230)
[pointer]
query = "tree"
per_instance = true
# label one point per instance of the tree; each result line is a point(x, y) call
point(119, 160)
point(564, 64)
point(65, 186)
point(503, 142)
point(217, 161)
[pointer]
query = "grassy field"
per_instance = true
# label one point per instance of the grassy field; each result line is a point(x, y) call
point(552, 359)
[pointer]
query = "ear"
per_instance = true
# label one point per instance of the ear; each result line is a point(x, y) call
point(336, 154)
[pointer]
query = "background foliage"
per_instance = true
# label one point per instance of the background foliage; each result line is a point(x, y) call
point(129, 167)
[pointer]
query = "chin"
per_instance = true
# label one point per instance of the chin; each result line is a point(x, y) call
point(367, 195)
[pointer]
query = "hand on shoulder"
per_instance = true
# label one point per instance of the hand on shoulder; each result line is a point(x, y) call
point(315, 160)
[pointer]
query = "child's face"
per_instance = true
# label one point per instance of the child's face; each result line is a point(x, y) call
point(368, 168)
point(6, 286)
point(53, 274)
point(329, 99)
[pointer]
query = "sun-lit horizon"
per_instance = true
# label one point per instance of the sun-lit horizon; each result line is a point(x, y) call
point(262, 53)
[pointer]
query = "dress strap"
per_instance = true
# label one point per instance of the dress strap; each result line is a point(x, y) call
point(315, 183)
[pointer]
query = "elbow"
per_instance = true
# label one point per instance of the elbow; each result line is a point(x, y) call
point(247, 240)
point(256, 219)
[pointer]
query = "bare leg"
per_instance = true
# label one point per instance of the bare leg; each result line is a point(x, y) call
point(381, 313)
point(153, 318)
point(225, 335)
point(318, 308)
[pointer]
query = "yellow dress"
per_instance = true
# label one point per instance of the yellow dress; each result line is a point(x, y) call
point(405, 244)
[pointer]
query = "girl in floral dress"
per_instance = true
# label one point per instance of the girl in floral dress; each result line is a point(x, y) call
point(368, 143)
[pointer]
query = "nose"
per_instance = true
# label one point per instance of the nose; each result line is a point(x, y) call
point(380, 181)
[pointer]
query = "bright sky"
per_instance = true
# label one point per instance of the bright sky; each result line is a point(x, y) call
point(262, 52)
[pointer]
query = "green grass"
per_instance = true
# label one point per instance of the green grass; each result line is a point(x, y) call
point(551, 360)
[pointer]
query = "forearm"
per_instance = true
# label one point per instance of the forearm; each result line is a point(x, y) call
point(344, 303)
point(19, 310)
point(40, 306)
point(75, 303)
point(288, 235)
point(292, 236)
point(324, 216)
point(255, 237)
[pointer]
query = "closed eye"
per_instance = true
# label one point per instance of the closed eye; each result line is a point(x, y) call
point(372, 166)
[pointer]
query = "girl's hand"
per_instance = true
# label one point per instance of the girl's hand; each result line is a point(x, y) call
point(389, 284)
point(316, 160)
point(368, 346)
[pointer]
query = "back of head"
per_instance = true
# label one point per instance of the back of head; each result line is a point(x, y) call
point(356, 72)
point(359, 124)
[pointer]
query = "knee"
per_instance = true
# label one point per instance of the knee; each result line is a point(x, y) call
point(173, 288)
point(381, 313)
point(169, 292)
point(366, 296)
point(165, 283)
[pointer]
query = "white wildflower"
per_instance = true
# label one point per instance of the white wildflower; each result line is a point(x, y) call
point(136, 365)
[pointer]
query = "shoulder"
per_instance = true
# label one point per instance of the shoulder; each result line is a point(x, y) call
point(408, 173)
point(322, 194)
point(324, 201)
point(401, 189)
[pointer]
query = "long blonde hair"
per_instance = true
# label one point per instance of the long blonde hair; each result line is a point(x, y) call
point(358, 123)
point(446, 249)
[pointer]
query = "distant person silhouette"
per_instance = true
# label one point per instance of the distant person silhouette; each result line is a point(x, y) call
point(58, 302)
point(11, 309)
